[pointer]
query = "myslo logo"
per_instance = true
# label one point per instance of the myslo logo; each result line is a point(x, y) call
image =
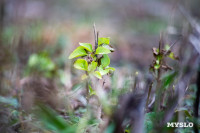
point(179, 124)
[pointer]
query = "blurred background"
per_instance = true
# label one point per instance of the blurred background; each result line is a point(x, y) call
point(37, 36)
point(133, 25)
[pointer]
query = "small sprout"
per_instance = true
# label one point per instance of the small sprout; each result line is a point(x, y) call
point(159, 55)
point(95, 59)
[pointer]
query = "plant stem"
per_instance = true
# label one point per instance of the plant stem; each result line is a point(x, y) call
point(158, 85)
point(96, 36)
point(149, 93)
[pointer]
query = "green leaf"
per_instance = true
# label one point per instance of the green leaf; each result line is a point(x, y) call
point(110, 128)
point(184, 110)
point(81, 64)
point(102, 71)
point(111, 68)
point(33, 59)
point(87, 46)
point(102, 50)
point(105, 61)
point(167, 47)
point(92, 66)
point(149, 117)
point(52, 121)
point(156, 66)
point(157, 62)
point(97, 74)
point(168, 79)
point(41, 62)
point(9, 101)
point(172, 56)
point(108, 47)
point(91, 91)
point(78, 52)
point(127, 131)
point(103, 40)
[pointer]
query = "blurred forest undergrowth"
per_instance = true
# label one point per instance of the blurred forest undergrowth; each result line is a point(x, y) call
point(156, 60)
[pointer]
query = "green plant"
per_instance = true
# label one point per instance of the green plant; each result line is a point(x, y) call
point(159, 68)
point(94, 61)
point(41, 64)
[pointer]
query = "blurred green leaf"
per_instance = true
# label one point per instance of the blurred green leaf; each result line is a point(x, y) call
point(52, 121)
point(111, 69)
point(127, 131)
point(151, 118)
point(81, 64)
point(168, 79)
point(83, 123)
point(87, 46)
point(102, 50)
point(10, 101)
point(97, 74)
point(41, 64)
point(110, 128)
point(33, 59)
point(78, 52)
point(172, 56)
point(149, 121)
point(167, 47)
point(78, 86)
point(105, 61)
point(92, 66)
point(103, 71)
point(185, 110)
point(157, 62)
point(103, 40)
point(91, 91)
point(156, 66)
point(108, 47)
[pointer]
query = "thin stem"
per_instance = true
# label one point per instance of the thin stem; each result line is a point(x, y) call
point(173, 44)
point(97, 39)
point(149, 93)
point(158, 85)
point(96, 34)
